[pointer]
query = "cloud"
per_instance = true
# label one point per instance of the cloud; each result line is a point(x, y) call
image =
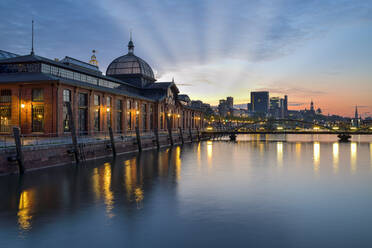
point(288, 90)
point(296, 104)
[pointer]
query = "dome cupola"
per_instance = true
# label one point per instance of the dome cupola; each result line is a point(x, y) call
point(131, 69)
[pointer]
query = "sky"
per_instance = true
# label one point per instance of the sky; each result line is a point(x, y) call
point(310, 50)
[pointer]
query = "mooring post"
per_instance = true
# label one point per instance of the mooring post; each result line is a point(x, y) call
point(190, 133)
point(181, 135)
point(170, 131)
point(71, 123)
point(138, 139)
point(112, 142)
point(197, 131)
point(157, 137)
point(17, 140)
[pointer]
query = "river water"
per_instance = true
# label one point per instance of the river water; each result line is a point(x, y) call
point(262, 191)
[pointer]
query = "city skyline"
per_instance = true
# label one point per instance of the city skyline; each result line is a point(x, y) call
point(316, 50)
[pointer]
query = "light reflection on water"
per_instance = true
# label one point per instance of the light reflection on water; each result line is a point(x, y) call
point(335, 153)
point(353, 156)
point(204, 187)
point(316, 156)
point(279, 155)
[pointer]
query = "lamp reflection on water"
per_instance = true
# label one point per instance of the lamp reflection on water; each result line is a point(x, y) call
point(178, 163)
point(209, 152)
point(370, 153)
point(24, 214)
point(335, 153)
point(316, 156)
point(353, 156)
point(298, 149)
point(109, 196)
point(132, 186)
point(279, 153)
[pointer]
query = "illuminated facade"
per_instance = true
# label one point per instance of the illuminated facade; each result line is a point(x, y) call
point(34, 91)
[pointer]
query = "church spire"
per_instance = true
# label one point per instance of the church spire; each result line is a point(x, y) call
point(130, 44)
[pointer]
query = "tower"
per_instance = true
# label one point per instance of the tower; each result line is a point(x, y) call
point(312, 106)
point(93, 58)
point(356, 115)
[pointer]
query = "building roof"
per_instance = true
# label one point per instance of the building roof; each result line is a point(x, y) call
point(33, 77)
point(7, 55)
point(35, 58)
point(130, 64)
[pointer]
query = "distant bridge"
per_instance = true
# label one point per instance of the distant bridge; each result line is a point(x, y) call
point(317, 128)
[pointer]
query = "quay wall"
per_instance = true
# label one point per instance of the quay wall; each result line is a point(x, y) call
point(50, 155)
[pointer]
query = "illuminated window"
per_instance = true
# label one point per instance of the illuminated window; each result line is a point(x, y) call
point(38, 118)
point(37, 95)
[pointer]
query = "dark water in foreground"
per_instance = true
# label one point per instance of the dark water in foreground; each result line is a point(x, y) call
point(276, 193)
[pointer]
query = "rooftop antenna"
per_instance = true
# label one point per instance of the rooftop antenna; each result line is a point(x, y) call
point(32, 47)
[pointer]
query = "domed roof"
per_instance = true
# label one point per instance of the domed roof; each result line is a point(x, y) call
point(130, 64)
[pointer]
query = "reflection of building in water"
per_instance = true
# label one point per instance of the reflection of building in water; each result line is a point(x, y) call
point(279, 153)
point(24, 214)
point(316, 156)
point(353, 156)
point(335, 152)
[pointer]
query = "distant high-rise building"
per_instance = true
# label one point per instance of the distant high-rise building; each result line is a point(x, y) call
point(230, 101)
point(285, 106)
point(249, 107)
point(260, 102)
point(356, 115)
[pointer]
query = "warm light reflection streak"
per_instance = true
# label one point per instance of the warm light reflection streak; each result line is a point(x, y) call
point(353, 156)
point(335, 152)
point(279, 153)
point(316, 156)
point(24, 209)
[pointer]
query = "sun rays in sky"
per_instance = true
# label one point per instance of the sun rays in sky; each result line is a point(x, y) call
point(316, 50)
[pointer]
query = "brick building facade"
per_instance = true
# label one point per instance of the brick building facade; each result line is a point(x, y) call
point(34, 91)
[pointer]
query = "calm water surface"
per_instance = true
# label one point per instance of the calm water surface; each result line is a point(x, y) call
point(263, 191)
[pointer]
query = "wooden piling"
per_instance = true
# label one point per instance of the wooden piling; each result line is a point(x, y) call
point(112, 142)
point(190, 133)
point(157, 137)
point(170, 132)
point(181, 135)
point(138, 139)
point(71, 123)
point(17, 140)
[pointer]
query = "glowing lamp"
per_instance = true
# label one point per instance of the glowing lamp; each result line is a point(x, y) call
point(108, 109)
point(23, 105)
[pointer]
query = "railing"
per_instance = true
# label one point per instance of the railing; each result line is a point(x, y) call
point(29, 140)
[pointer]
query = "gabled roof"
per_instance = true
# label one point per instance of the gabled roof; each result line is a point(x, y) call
point(164, 86)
